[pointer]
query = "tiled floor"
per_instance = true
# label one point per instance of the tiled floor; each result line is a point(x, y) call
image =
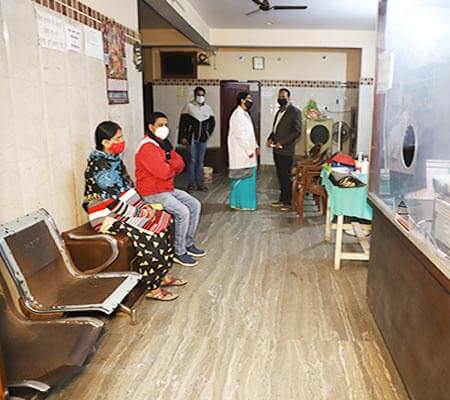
point(264, 317)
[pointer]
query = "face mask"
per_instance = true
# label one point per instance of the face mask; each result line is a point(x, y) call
point(162, 132)
point(117, 148)
point(200, 99)
point(248, 104)
point(282, 101)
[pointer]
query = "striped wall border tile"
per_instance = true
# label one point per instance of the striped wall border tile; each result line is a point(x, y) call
point(287, 83)
point(186, 82)
point(80, 12)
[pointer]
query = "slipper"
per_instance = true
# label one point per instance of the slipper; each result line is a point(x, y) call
point(174, 282)
point(163, 295)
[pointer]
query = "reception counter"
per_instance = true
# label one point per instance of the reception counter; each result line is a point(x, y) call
point(409, 296)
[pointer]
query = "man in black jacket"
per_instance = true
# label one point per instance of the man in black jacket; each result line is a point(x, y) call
point(196, 126)
point(287, 127)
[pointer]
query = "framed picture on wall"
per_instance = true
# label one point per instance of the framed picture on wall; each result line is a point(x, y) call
point(115, 62)
point(258, 62)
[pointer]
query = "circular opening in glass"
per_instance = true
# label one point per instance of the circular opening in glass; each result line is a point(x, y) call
point(409, 146)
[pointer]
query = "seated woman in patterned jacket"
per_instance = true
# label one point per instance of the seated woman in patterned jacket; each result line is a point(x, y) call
point(115, 207)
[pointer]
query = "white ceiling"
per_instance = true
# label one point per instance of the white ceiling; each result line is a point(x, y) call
point(321, 14)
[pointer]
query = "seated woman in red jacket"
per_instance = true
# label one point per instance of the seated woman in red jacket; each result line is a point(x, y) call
point(157, 164)
point(114, 207)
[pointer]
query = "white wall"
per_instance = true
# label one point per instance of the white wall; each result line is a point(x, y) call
point(281, 64)
point(171, 100)
point(284, 64)
point(282, 38)
point(51, 104)
point(364, 40)
point(325, 97)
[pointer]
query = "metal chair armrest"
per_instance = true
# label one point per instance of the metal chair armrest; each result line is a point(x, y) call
point(35, 385)
point(107, 238)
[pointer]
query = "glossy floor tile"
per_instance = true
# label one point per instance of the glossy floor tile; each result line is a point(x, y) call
point(265, 316)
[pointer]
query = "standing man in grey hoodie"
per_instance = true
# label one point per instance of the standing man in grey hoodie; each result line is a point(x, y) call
point(196, 125)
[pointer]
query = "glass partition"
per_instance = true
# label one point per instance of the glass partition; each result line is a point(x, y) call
point(410, 167)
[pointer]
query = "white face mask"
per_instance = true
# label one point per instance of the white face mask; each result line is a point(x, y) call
point(200, 99)
point(162, 132)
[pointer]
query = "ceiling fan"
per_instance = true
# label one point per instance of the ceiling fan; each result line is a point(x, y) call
point(264, 5)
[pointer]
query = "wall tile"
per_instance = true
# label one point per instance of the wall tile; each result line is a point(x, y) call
point(171, 100)
point(11, 198)
point(53, 66)
point(3, 58)
point(22, 43)
point(325, 97)
point(96, 72)
point(77, 74)
point(51, 104)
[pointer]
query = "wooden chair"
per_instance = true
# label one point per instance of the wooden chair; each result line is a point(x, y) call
point(306, 171)
point(311, 158)
point(314, 186)
point(313, 153)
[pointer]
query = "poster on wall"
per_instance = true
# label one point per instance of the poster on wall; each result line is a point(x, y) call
point(115, 62)
point(50, 30)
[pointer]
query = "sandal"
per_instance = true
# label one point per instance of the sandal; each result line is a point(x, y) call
point(163, 295)
point(174, 282)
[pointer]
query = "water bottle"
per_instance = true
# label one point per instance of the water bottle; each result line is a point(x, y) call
point(365, 166)
point(358, 163)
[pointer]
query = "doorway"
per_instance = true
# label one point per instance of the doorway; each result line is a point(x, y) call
point(228, 93)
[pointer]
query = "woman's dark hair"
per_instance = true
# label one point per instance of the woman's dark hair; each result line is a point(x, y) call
point(152, 118)
point(105, 131)
point(241, 96)
point(285, 90)
point(199, 89)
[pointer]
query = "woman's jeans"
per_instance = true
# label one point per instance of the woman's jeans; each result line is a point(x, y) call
point(186, 212)
point(196, 163)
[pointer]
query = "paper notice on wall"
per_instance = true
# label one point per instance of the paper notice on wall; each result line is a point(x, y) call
point(385, 71)
point(254, 86)
point(93, 43)
point(182, 92)
point(74, 37)
point(50, 30)
point(267, 91)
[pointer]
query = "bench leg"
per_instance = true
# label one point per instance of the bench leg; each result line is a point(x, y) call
point(327, 225)
point(338, 246)
point(132, 312)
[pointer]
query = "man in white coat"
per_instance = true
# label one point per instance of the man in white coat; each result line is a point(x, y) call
point(243, 151)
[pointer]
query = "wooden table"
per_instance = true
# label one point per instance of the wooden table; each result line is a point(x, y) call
point(350, 202)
